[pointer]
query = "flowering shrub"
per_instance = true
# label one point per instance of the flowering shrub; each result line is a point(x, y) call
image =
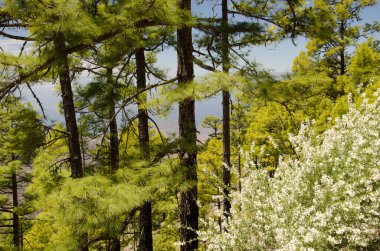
point(326, 199)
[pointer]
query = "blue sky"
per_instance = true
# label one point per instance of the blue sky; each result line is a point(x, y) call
point(278, 58)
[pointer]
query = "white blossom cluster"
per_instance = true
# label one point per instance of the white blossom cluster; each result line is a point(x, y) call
point(326, 199)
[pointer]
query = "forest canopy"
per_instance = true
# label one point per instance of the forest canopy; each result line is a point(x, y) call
point(292, 163)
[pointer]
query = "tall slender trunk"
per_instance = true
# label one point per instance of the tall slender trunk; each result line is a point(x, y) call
point(115, 244)
point(342, 62)
point(240, 141)
point(142, 111)
point(219, 217)
point(188, 208)
point(146, 239)
point(16, 220)
point(226, 114)
point(83, 145)
point(68, 106)
point(114, 137)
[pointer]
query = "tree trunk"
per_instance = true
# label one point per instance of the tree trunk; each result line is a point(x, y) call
point(226, 115)
point(114, 137)
point(142, 111)
point(239, 170)
point(16, 220)
point(146, 239)
point(115, 244)
point(219, 217)
point(68, 107)
point(188, 208)
point(342, 63)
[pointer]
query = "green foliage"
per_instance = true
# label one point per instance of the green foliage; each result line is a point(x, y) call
point(336, 30)
point(103, 35)
point(212, 122)
point(96, 205)
point(210, 177)
point(281, 105)
point(200, 89)
point(364, 64)
point(92, 207)
point(21, 131)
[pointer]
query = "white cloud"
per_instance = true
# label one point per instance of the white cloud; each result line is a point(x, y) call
point(11, 46)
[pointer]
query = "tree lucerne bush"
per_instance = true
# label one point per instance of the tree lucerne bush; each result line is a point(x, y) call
point(328, 198)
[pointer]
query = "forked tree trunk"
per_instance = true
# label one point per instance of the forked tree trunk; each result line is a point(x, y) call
point(146, 239)
point(188, 208)
point(68, 107)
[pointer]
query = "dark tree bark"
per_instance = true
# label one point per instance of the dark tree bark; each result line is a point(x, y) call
point(16, 220)
point(146, 238)
point(342, 61)
point(114, 137)
point(239, 171)
point(115, 244)
point(188, 208)
point(68, 106)
point(226, 114)
point(219, 217)
point(142, 111)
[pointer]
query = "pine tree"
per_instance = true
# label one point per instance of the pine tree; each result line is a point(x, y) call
point(146, 239)
point(188, 208)
point(68, 106)
point(226, 114)
point(213, 123)
point(21, 133)
point(334, 31)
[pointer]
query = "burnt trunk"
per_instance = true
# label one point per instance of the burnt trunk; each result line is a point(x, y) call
point(68, 107)
point(114, 137)
point(146, 239)
point(226, 115)
point(188, 208)
point(16, 219)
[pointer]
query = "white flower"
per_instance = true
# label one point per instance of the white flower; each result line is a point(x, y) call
point(330, 195)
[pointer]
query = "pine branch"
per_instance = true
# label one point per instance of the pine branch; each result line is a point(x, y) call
point(105, 237)
point(130, 98)
point(203, 65)
point(17, 37)
point(5, 210)
point(37, 100)
point(13, 84)
point(5, 91)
